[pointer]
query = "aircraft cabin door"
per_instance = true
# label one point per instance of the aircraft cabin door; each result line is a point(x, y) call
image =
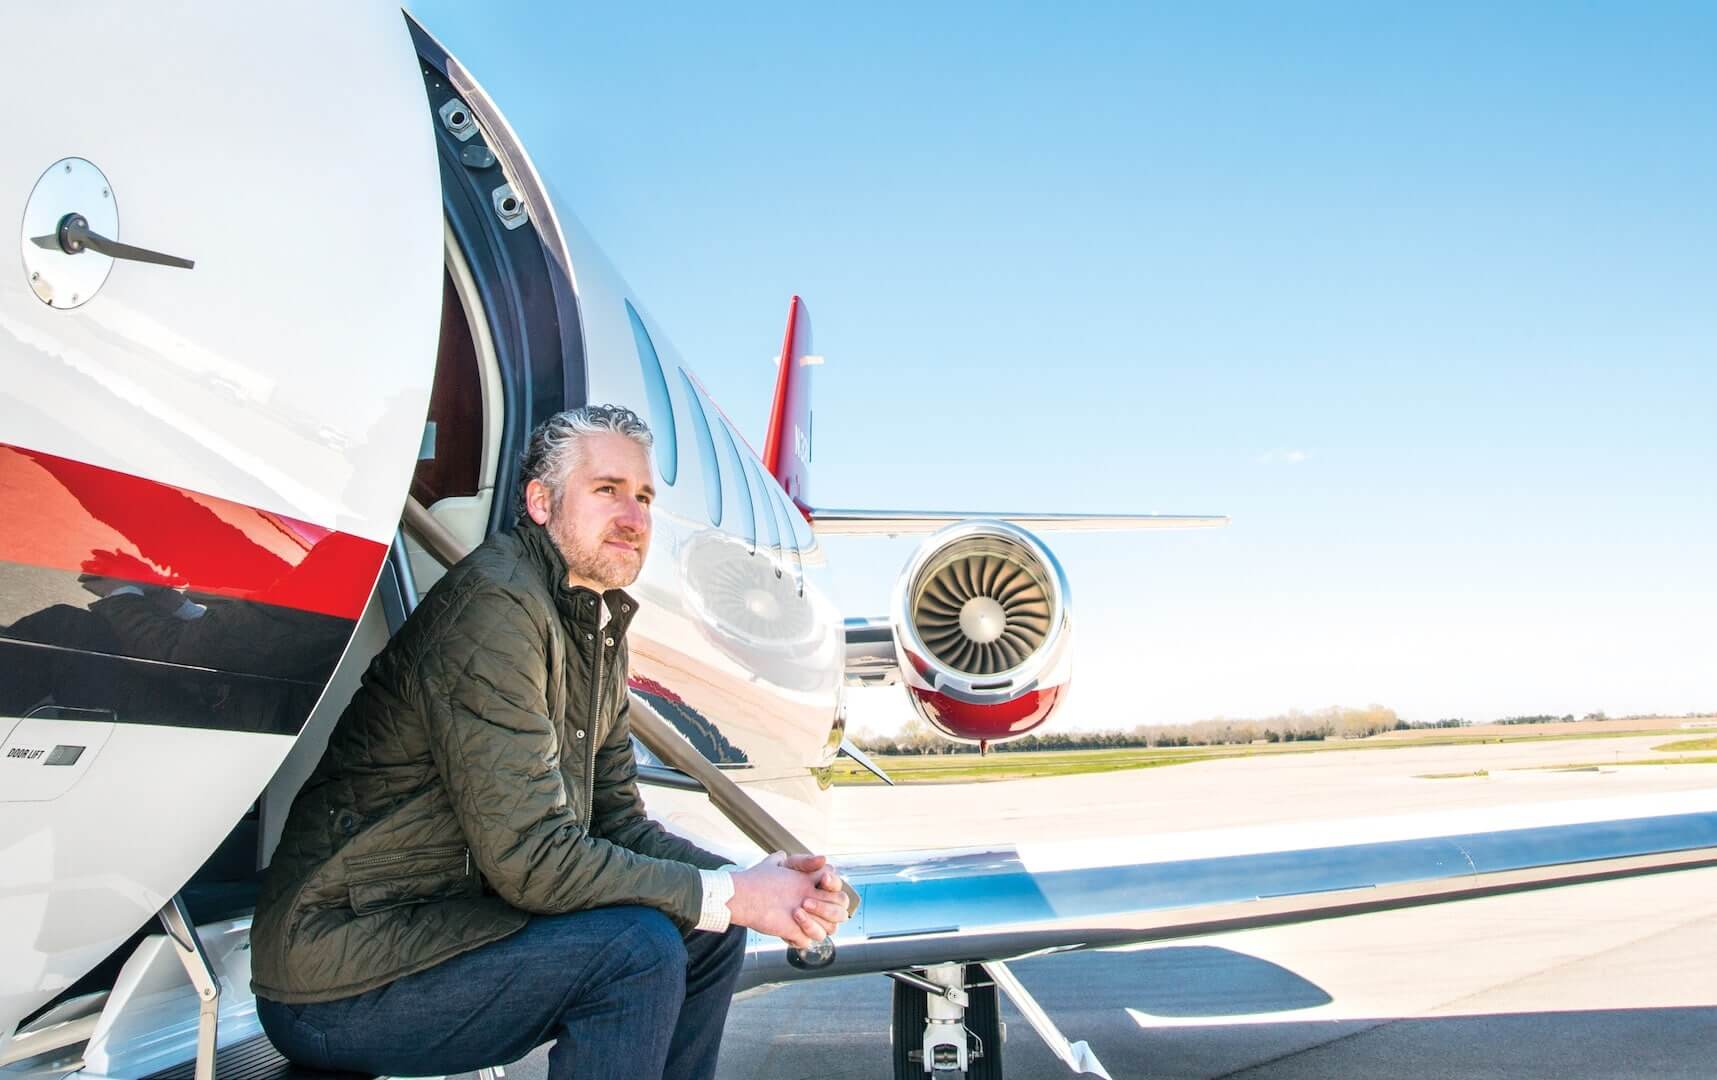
point(216, 345)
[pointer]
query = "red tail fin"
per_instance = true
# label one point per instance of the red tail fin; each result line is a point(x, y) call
point(787, 448)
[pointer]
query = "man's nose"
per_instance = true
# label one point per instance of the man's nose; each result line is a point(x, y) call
point(635, 517)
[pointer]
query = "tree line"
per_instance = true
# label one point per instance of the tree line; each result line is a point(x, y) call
point(1337, 721)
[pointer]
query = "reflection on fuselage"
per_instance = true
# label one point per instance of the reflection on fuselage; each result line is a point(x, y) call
point(151, 604)
point(754, 612)
point(698, 729)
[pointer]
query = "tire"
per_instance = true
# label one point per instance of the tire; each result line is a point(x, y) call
point(984, 1024)
point(907, 1033)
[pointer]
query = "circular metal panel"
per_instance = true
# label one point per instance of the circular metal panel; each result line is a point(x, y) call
point(70, 186)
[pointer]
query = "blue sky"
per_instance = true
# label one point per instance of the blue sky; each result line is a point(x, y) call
point(1423, 297)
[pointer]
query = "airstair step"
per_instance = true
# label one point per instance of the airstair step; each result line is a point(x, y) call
point(253, 1059)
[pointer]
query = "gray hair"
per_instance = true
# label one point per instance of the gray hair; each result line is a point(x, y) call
point(552, 452)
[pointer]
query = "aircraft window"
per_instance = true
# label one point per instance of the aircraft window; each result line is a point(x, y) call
point(759, 485)
point(790, 536)
point(661, 404)
point(796, 523)
point(455, 408)
point(738, 469)
point(706, 450)
point(778, 499)
point(807, 534)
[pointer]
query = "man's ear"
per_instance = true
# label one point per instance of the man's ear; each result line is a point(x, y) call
point(539, 501)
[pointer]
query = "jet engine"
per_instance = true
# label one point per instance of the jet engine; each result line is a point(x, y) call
point(980, 621)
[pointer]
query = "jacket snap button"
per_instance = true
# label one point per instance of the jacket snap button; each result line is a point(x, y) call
point(589, 635)
point(608, 641)
point(581, 733)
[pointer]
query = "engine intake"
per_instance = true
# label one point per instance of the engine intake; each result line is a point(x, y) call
point(981, 609)
point(982, 633)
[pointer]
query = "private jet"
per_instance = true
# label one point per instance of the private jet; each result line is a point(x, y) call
point(290, 296)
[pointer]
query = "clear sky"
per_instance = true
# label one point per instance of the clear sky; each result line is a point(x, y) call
point(1424, 296)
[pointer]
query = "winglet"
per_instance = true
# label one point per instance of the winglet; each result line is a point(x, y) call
point(787, 448)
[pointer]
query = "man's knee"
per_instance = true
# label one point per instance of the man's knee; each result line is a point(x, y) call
point(732, 948)
point(714, 958)
point(654, 947)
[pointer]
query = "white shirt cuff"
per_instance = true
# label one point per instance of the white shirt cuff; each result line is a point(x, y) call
point(717, 891)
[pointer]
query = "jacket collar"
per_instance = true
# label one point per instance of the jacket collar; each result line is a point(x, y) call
point(577, 604)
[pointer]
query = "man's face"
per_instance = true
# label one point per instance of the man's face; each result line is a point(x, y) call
point(601, 522)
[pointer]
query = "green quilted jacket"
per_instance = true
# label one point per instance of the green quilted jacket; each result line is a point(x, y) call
point(481, 774)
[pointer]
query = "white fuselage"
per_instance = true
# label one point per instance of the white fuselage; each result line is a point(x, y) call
point(222, 453)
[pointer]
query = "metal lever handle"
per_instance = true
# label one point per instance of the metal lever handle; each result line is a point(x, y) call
point(74, 235)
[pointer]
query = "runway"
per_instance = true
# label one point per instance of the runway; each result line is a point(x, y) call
point(1610, 980)
point(1617, 979)
point(1268, 789)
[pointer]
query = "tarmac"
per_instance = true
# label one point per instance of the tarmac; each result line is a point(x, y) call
point(1615, 979)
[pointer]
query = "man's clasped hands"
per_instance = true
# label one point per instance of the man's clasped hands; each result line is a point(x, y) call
point(797, 898)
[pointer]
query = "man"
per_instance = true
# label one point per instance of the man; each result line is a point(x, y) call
point(469, 873)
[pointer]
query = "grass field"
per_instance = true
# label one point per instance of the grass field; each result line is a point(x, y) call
point(1633, 725)
point(1687, 744)
point(1707, 759)
point(960, 768)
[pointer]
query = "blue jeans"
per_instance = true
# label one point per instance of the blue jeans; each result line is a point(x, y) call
point(619, 990)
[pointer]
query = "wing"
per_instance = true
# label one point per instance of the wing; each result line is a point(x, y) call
point(930, 907)
point(830, 522)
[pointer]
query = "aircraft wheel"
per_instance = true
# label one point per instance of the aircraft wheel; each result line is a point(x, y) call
point(983, 1024)
point(907, 1034)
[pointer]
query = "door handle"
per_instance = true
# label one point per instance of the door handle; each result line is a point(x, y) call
point(74, 236)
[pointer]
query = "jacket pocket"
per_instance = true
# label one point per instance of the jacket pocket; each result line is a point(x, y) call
point(389, 879)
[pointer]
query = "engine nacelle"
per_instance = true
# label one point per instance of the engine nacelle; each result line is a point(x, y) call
point(981, 631)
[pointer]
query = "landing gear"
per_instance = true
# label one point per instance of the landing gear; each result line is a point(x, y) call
point(947, 1024)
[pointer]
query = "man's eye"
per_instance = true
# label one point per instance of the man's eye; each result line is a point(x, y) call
point(605, 488)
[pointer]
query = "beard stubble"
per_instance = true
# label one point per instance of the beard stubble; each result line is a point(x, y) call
point(592, 560)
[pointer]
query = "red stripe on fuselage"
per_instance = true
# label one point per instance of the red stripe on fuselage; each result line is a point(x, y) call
point(68, 515)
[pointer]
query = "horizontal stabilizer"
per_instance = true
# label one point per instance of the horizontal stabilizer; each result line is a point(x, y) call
point(896, 522)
